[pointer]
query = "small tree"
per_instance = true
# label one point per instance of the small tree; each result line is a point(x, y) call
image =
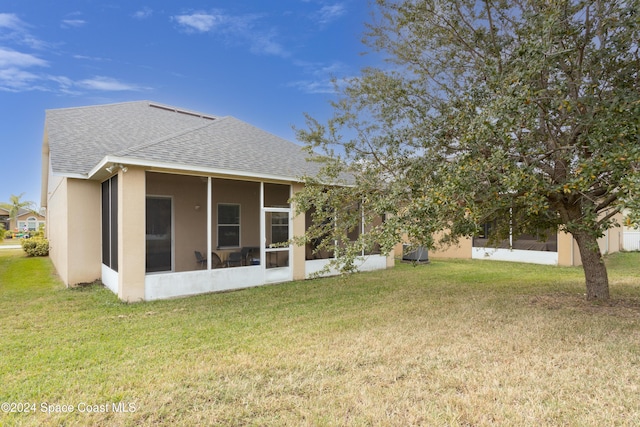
point(522, 113)
point(3, 232)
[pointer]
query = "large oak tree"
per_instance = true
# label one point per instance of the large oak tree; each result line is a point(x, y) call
point(522, 113)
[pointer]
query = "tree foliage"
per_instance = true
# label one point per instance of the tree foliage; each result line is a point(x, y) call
point(524, 113)
point(15, 205)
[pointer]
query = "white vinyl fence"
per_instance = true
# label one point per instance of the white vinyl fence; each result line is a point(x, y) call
point(631, 240)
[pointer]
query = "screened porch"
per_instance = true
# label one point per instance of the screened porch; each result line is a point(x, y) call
point(208, 231)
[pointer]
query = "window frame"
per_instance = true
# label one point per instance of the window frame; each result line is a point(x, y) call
point(276, 225)
point(228, 225)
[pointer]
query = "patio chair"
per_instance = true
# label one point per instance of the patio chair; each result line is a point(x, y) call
point(234, 260)
point(216, 262)
point(200, 259)
point(250, 255)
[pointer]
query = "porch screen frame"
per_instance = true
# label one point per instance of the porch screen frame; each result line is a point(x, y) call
point(171, 234)
point(110, 223)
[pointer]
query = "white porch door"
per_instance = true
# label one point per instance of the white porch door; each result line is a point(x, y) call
point(277, 254)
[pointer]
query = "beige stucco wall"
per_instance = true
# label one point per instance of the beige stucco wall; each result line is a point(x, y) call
point(460, 250)
point(73, 229)
point(568, 253)
point(56, 229)
point(611, 242)
point(247, 195)
point(131, 234)
point(84, 228)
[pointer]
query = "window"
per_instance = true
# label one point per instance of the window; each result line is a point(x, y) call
point(228, 225)
point(32, 223)
point(279, 227)
point(110, 223)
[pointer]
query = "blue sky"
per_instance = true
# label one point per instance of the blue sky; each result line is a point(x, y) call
point(264, 62)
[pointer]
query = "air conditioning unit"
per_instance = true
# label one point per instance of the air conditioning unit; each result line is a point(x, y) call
point(416, 254)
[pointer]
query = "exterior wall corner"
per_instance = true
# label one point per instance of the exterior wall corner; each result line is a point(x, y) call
point(131, 234)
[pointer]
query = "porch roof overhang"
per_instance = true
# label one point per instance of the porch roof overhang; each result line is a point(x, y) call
point(99, 172)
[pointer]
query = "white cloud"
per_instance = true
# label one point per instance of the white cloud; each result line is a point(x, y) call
point(64, 82)
point(73, 23)
point(91, 58)
point(330, 13)
point(144, 13)
point(14, 30)
point(11, 21)
point(16, 80)
point(323, 78)
point(103, 83)
point(313, 87)
point(13, 64)
point(242, 30)
point(21, 71)
point(12, 58)
point(266, 45)
point(199, 22)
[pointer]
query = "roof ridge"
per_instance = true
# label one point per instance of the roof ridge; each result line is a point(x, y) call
point(114, 104)
point(131, 150)
point(148, 103)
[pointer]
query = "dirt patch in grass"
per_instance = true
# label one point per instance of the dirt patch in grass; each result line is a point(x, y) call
point(628, 307)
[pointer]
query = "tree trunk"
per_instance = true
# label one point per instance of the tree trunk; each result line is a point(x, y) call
point(595, 272)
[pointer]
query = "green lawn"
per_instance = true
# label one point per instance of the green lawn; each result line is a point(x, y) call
point(450, 343)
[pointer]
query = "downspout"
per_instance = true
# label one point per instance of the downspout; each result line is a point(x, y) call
point(263, 235)
point(510, 228)
point(209, 217)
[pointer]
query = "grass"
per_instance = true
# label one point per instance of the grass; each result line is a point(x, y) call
point(452, 343)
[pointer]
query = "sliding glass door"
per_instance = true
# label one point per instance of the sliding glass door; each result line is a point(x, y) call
point(159, 234)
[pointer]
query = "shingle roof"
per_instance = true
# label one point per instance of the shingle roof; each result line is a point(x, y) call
point(79, 138)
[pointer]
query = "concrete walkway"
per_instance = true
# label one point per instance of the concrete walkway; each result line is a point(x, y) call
point(10, 247)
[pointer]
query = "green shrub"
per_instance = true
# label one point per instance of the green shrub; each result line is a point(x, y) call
point(37, 234)
point(36, 246)
point(3, 232)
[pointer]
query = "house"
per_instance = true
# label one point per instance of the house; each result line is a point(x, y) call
point(159, 202)
point(25, 221)
point(560, 248)
point(5, 219)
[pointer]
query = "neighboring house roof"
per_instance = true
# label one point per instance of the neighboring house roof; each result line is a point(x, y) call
point(29, 213)
point(80, 139)
point(21, 212)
